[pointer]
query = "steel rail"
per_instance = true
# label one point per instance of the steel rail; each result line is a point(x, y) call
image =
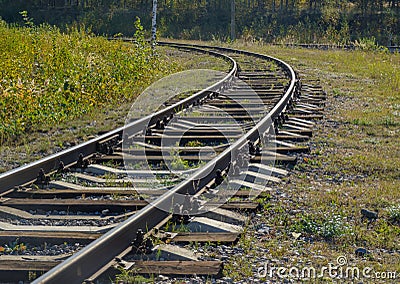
point(97, 254)
point(28, 173)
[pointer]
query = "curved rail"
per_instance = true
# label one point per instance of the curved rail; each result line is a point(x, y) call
point(93, 257)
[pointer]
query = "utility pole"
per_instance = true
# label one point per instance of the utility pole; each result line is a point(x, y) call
point(233, 22)
point(154, 24)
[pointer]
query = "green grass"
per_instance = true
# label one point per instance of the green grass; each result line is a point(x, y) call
point(60, 89)
point(131, 276)
point(48, 77)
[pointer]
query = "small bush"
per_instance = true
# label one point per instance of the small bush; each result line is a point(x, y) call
point(327, 227)
point(369, 44)
point(394, 214)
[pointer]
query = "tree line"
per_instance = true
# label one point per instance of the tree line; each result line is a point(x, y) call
point(290, 21)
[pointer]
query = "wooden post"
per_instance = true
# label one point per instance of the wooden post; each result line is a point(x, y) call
point(154, 23)
point(233, 22)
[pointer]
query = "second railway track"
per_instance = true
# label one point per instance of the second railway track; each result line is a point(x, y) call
point(131, 199)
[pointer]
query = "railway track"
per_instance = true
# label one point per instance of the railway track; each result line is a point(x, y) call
point(132, 199)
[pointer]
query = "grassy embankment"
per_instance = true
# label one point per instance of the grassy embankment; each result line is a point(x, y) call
point(57, 89)
point(49, 78)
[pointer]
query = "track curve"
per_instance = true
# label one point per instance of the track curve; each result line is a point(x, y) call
point(116, 241)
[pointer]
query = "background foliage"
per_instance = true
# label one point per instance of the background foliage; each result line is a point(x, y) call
point(299, 21)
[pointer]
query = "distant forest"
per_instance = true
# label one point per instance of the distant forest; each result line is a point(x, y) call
point(288, 21)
